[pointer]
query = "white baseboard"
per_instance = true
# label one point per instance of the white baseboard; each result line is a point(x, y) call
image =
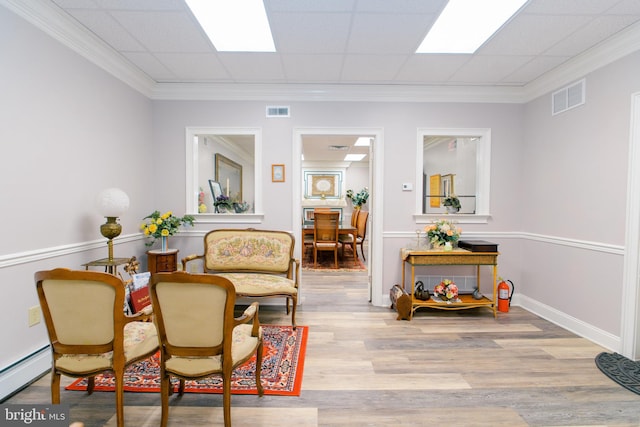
point(23, 373)
point(578, 327)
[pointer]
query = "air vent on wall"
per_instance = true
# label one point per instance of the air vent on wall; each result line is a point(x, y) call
point(568, 97)
point(277, 111)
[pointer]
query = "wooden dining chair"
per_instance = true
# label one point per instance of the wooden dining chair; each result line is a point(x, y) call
point(325, 235)
point(361, 225)
point(88, 330)
point(347, 239)
point(199, 335)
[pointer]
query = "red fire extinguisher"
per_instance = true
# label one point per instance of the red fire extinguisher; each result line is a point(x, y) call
point(504, 296)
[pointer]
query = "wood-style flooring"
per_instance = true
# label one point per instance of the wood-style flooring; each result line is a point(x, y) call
point(365, 368)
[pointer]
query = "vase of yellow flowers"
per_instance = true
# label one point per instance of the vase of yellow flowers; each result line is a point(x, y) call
point(161, 226)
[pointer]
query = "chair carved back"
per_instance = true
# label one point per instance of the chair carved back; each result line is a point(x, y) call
point(361, 225)
point(326, 226)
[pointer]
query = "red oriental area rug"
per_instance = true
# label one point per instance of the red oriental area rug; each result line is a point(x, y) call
point(326, 261)
point(282, 369)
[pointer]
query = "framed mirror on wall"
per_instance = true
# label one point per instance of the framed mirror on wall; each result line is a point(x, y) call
point(454, 163)
point(230, 157)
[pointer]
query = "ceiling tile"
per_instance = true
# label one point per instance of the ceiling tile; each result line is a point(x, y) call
point(310, 68)
point(310, 32)
point(164, 31)
point(258, 67)
point(479, 68)
point(307, 6)
point(401, 6)
point(393, 34)
point(108, 29)
point(597, 29)
point(194, 66)
point(431, 69)
point(534, 69)
point(150, 65)
point(532, 34)
point(371, 68)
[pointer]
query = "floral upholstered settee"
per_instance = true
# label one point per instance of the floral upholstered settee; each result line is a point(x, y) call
point(259, 263)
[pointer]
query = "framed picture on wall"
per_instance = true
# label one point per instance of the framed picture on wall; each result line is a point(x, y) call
point(216, 189)
point(277, 173)
point(434, 191)
point(229, 176)
point(323, 185)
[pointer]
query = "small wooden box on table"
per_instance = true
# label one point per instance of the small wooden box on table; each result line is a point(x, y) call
point(162, 262)
point(427, 257)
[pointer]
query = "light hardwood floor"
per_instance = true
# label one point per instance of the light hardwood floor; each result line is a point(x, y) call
point(364, 368)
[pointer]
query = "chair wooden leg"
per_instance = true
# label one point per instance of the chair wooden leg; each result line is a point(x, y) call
point(335, 257)
point(294, 304)
point(226, 396)
point(165, 385)
point(259, 369)
point(362, 250)
point(55, 387)
point(91, 384)
point(118, 375)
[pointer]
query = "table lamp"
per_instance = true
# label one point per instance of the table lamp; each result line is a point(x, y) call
point(112, 202)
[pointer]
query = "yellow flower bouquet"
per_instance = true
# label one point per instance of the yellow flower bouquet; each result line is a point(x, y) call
point(163, 225)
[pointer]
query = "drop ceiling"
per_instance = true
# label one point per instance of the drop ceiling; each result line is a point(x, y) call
point(331, 45)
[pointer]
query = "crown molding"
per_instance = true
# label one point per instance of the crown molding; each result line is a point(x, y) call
point(616, 47)
point(336, 92)
point(49, 18)
point(46, 16)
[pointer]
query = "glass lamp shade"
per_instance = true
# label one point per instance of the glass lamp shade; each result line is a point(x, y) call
point(112, 202)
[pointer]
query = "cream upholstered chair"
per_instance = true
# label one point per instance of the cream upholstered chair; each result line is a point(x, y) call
point(325, 234)
point(199, 336)
point(88, 330)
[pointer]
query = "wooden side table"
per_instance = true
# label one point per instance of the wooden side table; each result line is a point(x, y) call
point(110, 265)
point(162, 262)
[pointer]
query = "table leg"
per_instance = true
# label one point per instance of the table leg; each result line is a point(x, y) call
point(355, 246)
point(495, 301)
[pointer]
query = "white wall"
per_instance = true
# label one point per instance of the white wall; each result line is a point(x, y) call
point(574, 201)
point(68, 131)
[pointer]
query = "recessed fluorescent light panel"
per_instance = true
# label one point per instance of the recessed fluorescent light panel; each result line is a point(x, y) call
point(464, 25)
point(233, 25)
point(363, 141)
point(354, 157)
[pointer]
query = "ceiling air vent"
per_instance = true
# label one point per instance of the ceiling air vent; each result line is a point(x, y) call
point(568, 97)
point(277, 111)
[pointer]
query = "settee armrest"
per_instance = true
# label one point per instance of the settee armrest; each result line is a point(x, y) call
point(296, 272)
point(188, 258)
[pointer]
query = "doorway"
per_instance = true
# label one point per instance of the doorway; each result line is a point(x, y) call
point(374, 185)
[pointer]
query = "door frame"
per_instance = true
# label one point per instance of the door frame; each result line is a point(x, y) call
point(376, 167)
point(630, 313)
